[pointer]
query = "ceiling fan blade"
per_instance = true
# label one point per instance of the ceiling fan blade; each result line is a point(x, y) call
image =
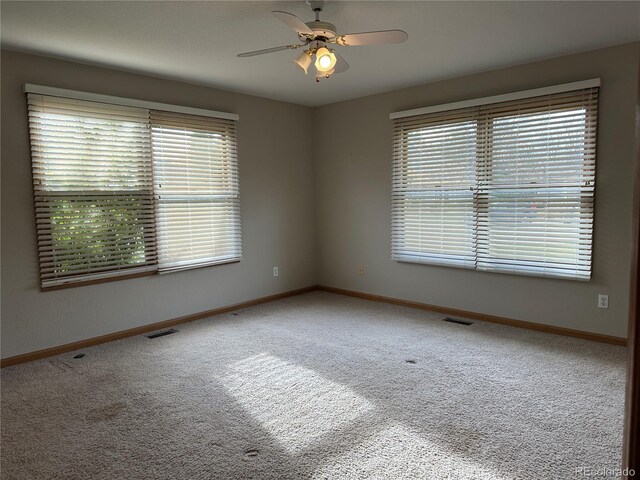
point(294, 22)
point(341, 64)
point(268, 50)
point(372, 38)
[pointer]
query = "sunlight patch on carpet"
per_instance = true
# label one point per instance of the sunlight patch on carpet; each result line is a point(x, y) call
point(401, 453)
point(294, 404)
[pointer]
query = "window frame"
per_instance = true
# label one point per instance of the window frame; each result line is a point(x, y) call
point(450, 259)
point(42, 195)
point(228, 141)
point(484, 186)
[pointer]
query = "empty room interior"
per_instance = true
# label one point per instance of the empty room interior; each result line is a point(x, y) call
point(324, 240)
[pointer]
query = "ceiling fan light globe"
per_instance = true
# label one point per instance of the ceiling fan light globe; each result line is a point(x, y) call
point(303, 61)
point(325, 60)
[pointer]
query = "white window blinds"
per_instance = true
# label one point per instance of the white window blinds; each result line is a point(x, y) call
point(196, 180)
point(434, 176)
point(505, 187)
point(93, 189)
point(122, 190)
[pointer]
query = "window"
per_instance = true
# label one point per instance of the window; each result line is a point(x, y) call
point(505, 187)
point(196, 180)
point(122, 190)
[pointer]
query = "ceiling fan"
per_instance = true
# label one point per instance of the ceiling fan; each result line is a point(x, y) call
point(318, 38)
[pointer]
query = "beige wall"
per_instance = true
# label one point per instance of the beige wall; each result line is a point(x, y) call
point(315, 231)
point(352, 148)
point(276, 185)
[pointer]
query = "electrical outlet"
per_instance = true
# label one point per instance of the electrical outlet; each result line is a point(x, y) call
point(361, 270)
point(275, 271)
point(603, 301)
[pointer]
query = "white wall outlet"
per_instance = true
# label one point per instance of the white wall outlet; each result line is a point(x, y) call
point(275, 271)
point(361, 270)
point(603, 301)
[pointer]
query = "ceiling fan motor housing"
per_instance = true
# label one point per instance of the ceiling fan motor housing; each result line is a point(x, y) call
point(323, 30)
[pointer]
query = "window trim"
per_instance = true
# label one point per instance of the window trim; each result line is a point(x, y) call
point(507, 97)
point(128, 102)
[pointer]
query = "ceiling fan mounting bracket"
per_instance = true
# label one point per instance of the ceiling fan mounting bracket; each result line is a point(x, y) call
point(321, 30)
point(316, 5)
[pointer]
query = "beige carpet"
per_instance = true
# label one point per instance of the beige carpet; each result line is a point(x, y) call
point(319, 386)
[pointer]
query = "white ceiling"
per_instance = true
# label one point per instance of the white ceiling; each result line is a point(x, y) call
point(198, 41)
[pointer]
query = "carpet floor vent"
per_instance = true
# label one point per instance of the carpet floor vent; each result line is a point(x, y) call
point(162, 334)
point(457, 320)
